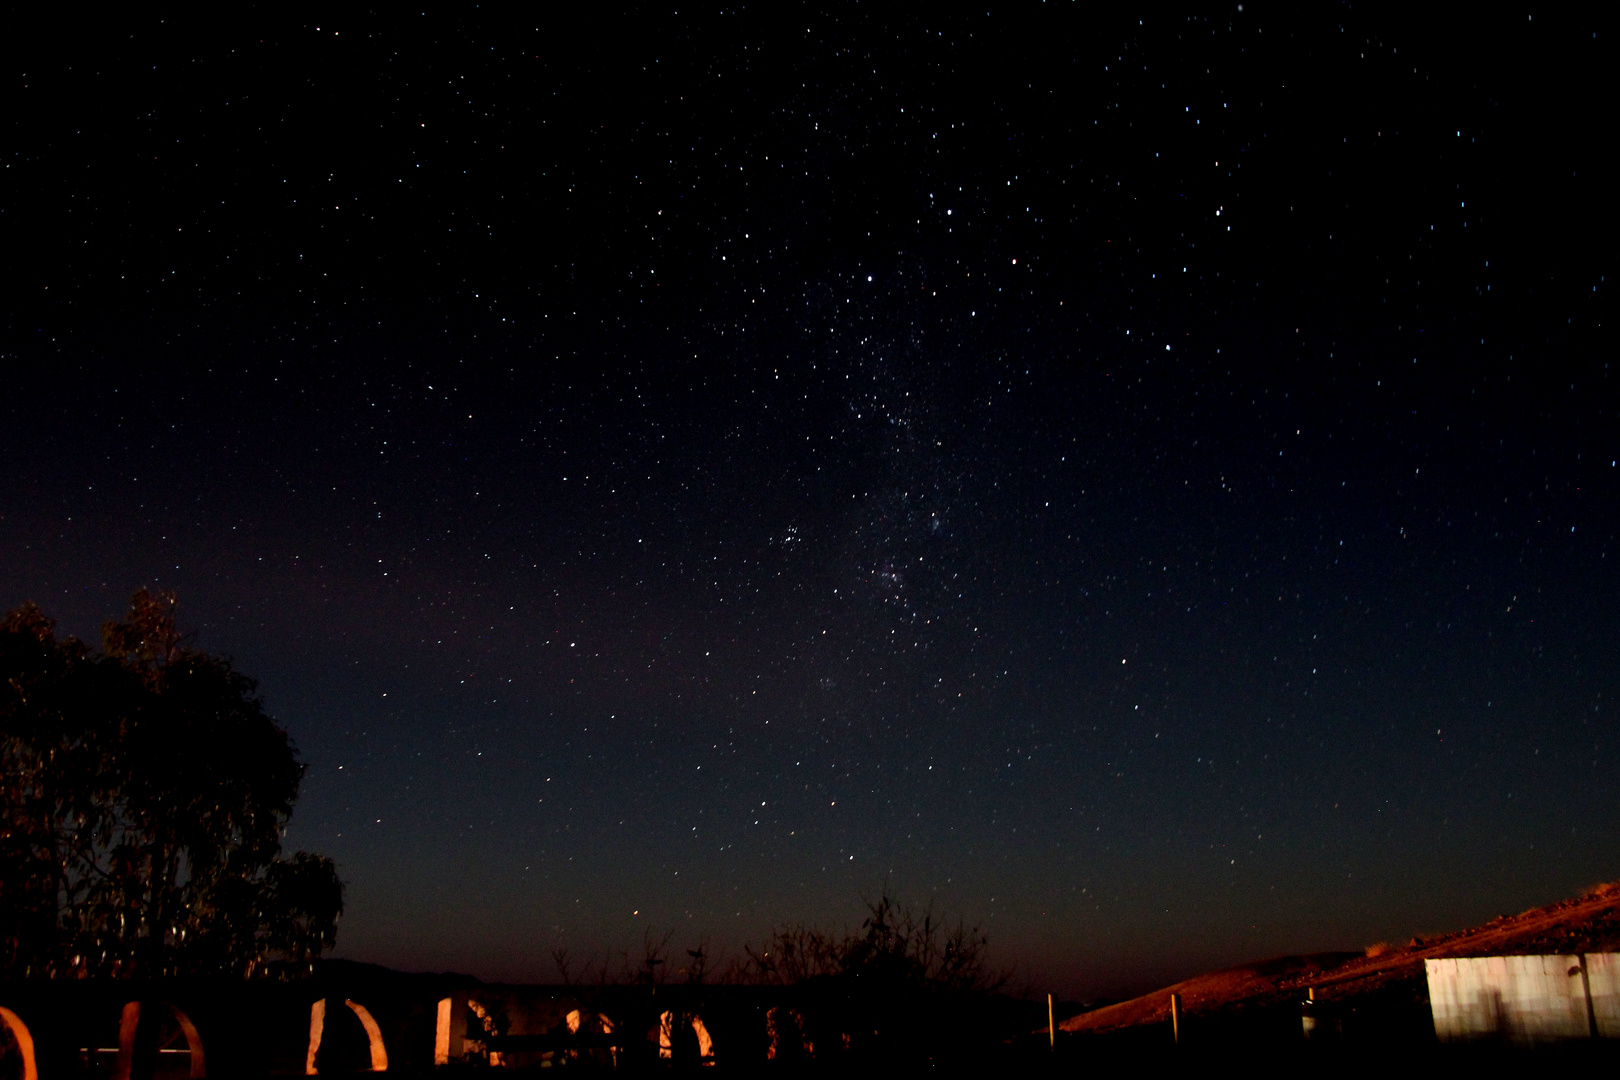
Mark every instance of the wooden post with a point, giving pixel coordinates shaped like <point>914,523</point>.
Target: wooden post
<point>1051,1028</point>
<point>1175,1018</point>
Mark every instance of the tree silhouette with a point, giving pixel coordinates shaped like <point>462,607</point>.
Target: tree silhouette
<point>143,798</point>
<point>907,986</point>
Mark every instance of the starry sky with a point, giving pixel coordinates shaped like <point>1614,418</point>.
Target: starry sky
<point>1144,483</point>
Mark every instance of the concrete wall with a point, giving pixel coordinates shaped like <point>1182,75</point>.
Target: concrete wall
<point>1525,1000</point>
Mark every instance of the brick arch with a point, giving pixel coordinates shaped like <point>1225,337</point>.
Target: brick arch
<point>25,1042</point>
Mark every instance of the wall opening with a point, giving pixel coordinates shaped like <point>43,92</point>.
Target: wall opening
<point>165,1032</point>
<point>342,1041</point>
<point>16,1045</point>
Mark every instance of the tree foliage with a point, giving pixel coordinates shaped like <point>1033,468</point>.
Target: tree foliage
<point>142,802</point>
<point>905,985</point>
<point>897,946</point>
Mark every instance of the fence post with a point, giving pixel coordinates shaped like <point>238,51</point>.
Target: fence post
<point>1175,1019</point>
<point>1051,1028</point>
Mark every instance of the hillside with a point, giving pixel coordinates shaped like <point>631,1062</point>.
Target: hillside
<point>1391,975</point>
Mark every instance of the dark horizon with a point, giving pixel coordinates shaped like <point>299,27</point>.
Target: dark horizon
<point>1142,484</point>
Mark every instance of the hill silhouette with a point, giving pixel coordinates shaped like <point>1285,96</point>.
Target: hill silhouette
<point>1386,980</point>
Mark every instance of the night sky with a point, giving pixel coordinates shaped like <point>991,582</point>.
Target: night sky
<point>1146,486</point>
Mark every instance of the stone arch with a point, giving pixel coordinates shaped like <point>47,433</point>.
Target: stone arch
<point>589,1022</point>
<point>317,1030</point>
<point>486,1026</point>
<point>784,1030</point>
<point>129,1022</point>
<point>705,1043</point>
<point>379,1052</point>
<point>462,1031</point>
<point>25,1042</point>
<point>666,1037</point>
<point>441,1033</point>
<point>199,1068</point>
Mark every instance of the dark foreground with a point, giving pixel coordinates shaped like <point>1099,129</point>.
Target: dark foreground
<point>349,1019</point>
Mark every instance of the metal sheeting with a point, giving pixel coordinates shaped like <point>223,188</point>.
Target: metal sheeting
<point>1603,972</point>
<point>1524,1000</point>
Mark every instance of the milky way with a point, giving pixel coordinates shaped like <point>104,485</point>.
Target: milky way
<point>1145,484</point>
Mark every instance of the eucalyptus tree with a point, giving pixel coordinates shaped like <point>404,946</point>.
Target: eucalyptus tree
<point>144,796</point>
